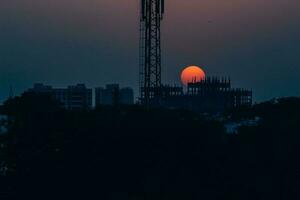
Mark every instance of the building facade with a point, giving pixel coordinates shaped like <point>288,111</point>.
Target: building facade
<point>126,96</point>
<point>76,97</point>
<point>112,94</point>
<point>217,94</point>
<point>211,95</point>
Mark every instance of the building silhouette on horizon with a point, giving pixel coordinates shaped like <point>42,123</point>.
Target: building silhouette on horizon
<point>77,97</point>
<point>210,95</point>
<point>113,95</point>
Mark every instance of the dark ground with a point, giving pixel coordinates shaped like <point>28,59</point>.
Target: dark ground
<point>135,153</point>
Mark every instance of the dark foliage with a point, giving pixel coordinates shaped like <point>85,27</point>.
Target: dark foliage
<point>138,153</point>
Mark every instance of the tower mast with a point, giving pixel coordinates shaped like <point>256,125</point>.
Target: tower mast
<point>150,49</point>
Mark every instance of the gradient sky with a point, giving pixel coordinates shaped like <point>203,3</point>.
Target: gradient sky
<point>63,42</point>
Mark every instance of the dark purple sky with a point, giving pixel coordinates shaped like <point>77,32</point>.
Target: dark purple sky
<point>62,42</point>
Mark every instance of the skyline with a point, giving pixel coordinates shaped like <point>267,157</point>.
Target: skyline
<point>58,43</point>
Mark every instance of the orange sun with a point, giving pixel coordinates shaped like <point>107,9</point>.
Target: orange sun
<point>192,74</point>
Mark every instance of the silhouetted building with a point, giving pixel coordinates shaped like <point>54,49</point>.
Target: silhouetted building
<point>211,95</point>
<point>76,97</point>
<point>126,96</point>
<point>108,95</point>
<point>215,94</point>
<point>112,94</point>
<point>166,96</point>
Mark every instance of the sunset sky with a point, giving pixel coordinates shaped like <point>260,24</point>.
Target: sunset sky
<point>63,42</point>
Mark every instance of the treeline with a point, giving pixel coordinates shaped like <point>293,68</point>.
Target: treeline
<point>139,153</point>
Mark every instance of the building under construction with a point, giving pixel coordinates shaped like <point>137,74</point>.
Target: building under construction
<point>208,95</point>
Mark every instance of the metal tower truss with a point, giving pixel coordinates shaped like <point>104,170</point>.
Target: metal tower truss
<point>150,48</point>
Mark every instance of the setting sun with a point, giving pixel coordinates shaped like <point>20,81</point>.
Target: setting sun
<point>192,73</point>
